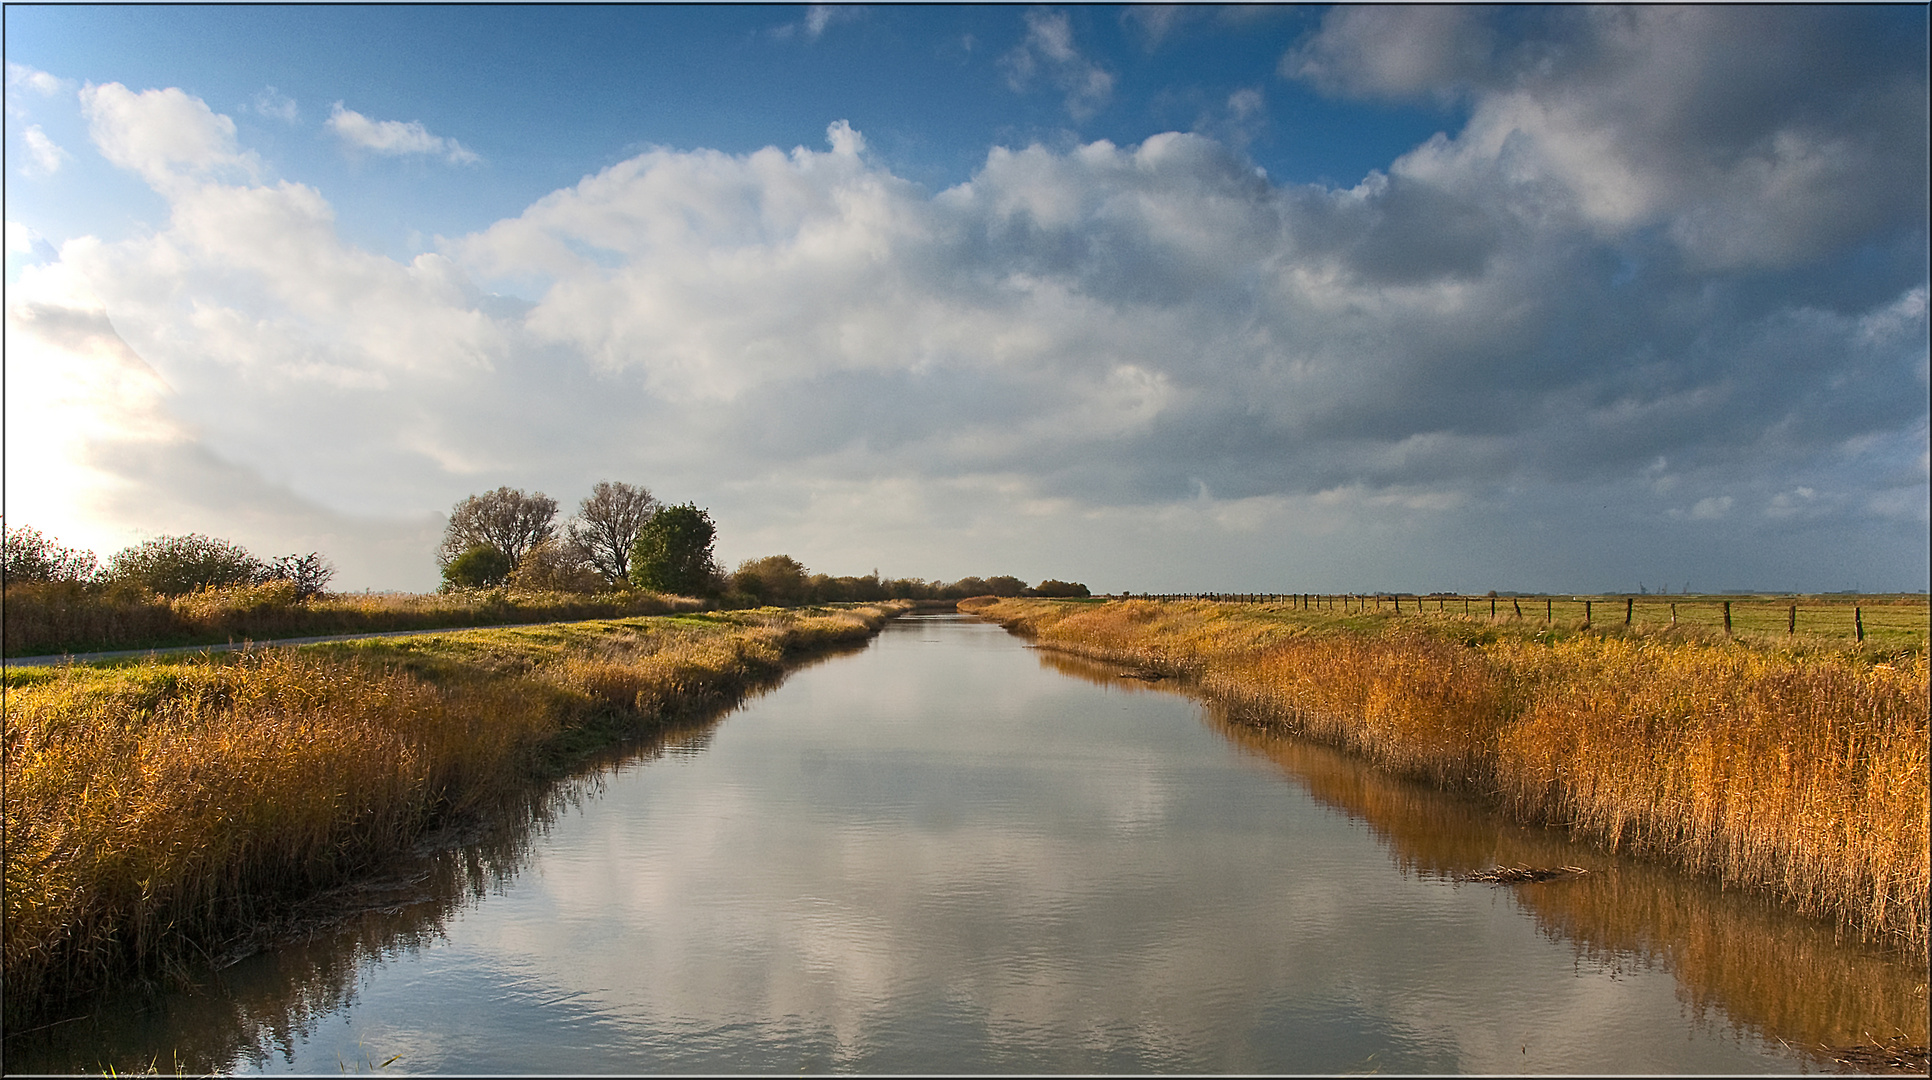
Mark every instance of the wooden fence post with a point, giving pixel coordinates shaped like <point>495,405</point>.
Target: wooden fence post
<point>1492,609</point>
<point>1673,613</point>
<point>1628,605</point>
<point>1791,621</point>
<point>1518,607</point>
<point>1727,618</point>
<point>1586,614</point>
<point>1858,623</point>
<point>1549,611</point>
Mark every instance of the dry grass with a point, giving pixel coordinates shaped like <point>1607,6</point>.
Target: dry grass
<point>1732,952</point>
<point>66,617</point>
<point>1800,771</point>
<point>153,809</point>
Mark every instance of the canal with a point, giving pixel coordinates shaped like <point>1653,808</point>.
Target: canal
<point>951,852</point>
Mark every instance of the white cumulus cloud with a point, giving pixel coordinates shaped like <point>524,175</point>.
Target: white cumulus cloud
<point>1148,354</point>
<point>47,155</point>
<point>395,138</point>
<point>22,77</point>
<point>165,135</point>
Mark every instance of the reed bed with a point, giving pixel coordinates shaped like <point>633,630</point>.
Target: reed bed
<point>157,809</point>
<point>1736,953</point>
<point>1801,772</point>
<point>45,618</point>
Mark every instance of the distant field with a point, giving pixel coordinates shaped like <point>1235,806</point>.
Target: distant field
<point>1891,620</point>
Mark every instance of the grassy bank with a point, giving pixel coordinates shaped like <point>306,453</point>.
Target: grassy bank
<point>44,618</point>
<point>1799,770</point>
<point>155,810</point>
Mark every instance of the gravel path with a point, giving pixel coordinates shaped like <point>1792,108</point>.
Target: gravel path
<point>123,654</point>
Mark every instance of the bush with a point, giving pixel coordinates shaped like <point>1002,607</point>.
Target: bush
<point>480,566</point>
<point>776,580</point>
<point>1060,589</point>
<point>178,565</point>
<point>558,565</point>
<point>26,555</point>
<point>309,573</point>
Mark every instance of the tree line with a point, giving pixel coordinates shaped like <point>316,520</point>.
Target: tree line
<point>622,537</point>
<point>168,565</point>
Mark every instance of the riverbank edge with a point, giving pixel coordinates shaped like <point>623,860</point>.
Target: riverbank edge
<point>764,646</point>
<point>1205,675</point>
<point>66,618</point>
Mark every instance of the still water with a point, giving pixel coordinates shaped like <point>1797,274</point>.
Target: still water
<point>951,852</point>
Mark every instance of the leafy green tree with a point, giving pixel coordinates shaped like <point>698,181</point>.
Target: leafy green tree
<point>26,555</point>
<point>1062,589</point>
<point>479,566</point>
<point>672,553</point>
<point>176,565</point>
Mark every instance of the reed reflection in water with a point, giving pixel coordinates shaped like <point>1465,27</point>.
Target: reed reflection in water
<point>939,856</point>
<point>256,1010</point>
<point>1736,956</point>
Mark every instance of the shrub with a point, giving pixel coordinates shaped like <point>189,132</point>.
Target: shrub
<point>178,565</point>
<point>309,573</point>
<point>1052,587</point>
<point>777,580</point>
<point>480,566</point>
<point>26,555</point>
<point>558,565</point>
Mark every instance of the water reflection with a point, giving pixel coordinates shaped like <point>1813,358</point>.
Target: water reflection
<point>939,855</point>
<point>232,1013</point>
<point>1742,956</point>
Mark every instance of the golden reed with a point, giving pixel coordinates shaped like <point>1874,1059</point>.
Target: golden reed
<point>1801,772</point>
<point>155,810</point>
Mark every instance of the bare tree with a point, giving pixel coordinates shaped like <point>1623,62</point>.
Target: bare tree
<point>505,519</point>
<point>607,524</point>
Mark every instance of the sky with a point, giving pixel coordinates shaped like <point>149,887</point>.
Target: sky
<point>1192,298</point>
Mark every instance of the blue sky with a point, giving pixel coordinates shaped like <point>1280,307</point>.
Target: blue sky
<point>1154,298</point>
<point>547,94</point>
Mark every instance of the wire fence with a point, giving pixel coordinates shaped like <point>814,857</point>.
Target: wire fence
<point>1892,618</point>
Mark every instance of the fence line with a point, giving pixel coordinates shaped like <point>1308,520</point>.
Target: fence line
<point>1752,615</point>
